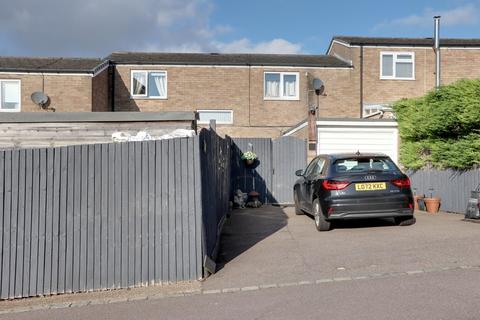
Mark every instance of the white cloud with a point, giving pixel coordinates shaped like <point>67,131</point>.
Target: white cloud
<point>279,46</point>
<point>274,46</point>
<point>468,14</point>
<point>173,11</point>
<point>96,28</point>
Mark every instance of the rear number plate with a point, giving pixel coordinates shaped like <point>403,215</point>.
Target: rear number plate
<point>370,186</point>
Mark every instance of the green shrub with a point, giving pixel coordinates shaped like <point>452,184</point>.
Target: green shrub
<point>442,128</point>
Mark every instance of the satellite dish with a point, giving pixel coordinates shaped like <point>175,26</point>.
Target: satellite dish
<point>318,86</point>
<point>40,98</point>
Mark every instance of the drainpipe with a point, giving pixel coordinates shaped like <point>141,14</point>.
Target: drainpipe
<point>361,81</point>
<point>318,88</point>
<point>312,129</point>
<point>111,68</point>
<point>436,37</point>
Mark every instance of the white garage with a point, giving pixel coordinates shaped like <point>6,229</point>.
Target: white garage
<point>340,136</point>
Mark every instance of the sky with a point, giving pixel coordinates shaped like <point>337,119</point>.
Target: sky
<point>95,28</point>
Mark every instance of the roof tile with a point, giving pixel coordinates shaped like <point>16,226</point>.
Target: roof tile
<point>447,42</point>
<point>38,64</point>
<point>293,60</point>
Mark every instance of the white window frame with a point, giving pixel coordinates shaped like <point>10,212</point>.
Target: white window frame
<point>19,94</point>
<point>146,96</point>
<point>216,110</point>
<point>395,59</point>
<point>282,96</point>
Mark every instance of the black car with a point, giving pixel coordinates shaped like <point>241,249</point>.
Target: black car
<point>351,186</point>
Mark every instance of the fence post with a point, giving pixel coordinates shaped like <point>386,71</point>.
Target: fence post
<point>213,124</point>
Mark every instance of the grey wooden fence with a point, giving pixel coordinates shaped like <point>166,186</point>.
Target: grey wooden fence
<point>273,174</point>
<point>452,186</point>
<point>215,168</point>
<point>91,217</point>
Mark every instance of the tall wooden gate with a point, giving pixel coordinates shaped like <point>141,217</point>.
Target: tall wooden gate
<point>273,174</point>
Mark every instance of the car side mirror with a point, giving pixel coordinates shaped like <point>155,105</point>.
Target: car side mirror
<point>299,173</point>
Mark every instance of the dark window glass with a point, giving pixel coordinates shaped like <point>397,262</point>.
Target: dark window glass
<point>365,164</point>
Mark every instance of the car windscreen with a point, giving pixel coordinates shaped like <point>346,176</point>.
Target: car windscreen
<point>364,164</point>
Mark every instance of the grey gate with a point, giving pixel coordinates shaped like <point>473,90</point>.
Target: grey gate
<point>289,155</point>
<point>257,178</point>
<point>273,175</point>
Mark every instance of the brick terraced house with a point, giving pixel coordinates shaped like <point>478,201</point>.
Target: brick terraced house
<point>72,84</point>
<point>250,95</point>
<point>389,69</point>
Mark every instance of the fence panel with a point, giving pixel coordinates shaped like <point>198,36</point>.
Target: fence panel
<point>289,155</point>
<point>92,217</point>
<point>452,186</point>
<point>215,170</point>
<point>108,216</point>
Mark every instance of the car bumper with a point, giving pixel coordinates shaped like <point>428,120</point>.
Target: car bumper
<point>406,212</point>
<point>375,206</point>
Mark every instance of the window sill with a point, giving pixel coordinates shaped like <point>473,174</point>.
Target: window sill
<point>218,123</point>
<point>281,99</point>
<point>404,79</point>
<point>10,110</point>
<point>148,98</point>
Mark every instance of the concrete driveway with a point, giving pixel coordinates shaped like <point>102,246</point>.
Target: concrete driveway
<point>272,245</point>
<point>275,265</point>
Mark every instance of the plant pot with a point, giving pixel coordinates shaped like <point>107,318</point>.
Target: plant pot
<point>416,201</point>
<point>249,162</point>
<point>432,204</point>
<point>421,204</point>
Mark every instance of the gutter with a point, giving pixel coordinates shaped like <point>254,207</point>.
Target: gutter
<point>48,71</point>
<point>69,117</point>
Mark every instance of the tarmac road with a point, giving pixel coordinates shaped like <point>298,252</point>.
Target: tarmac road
<point>437,295</point>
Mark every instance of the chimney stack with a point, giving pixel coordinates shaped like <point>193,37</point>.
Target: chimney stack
<point>436,47</point>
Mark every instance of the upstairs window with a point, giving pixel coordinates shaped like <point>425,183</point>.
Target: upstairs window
<point>149,84</point>
<point>10,95</point>
<point>397,65</point>
<point>281,86</point>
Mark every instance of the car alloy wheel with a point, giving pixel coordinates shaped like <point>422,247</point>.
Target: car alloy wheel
<point>317,214</point>
<point>298,211</point>
<point>320,223</point>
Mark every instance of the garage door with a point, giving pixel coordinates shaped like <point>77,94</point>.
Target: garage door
<point>361,135</point>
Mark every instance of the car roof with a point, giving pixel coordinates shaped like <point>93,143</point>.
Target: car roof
<point>337,156</point>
